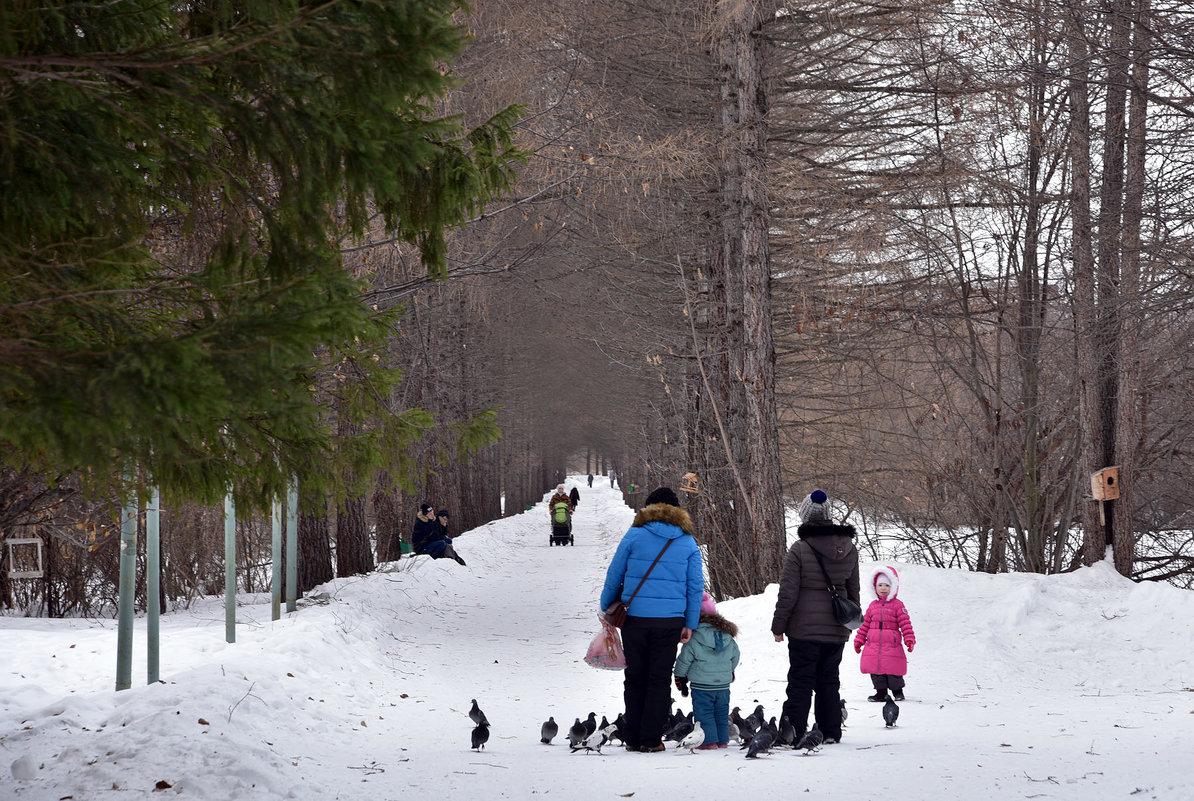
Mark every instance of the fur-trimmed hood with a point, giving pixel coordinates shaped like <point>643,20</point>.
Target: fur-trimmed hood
<point>893,578</point>
<point>720,623</point>
<point>664,513</point>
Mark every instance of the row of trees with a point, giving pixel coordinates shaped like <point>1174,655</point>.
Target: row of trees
<point>931,256</point>
<point>965,226</point>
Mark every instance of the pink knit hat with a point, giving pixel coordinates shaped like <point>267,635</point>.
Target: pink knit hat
<point>708,607</point>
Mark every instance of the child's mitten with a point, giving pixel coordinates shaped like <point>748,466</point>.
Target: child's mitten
<point>682,685</point>
<point>909,646</point>
<point>858,646</point>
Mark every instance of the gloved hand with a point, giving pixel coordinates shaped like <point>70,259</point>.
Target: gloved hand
<point>857,647</point>
<point>682,685</point>
<point>910,646</point>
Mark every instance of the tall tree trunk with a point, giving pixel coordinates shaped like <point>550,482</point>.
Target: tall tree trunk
<point>1030,307</point>
<point>760,532</point>
<point>1086,346</point>
<point>1111,202</point>
<point>1127,417</point>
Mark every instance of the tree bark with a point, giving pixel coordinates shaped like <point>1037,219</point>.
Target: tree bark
<point>314,545</point>
<point>748,126</point>
<point>1086,346</point>
<point>1127,416</point>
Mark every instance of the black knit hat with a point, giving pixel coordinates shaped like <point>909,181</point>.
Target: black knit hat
<point>663,495</point>
<point>426,509</point>
<point>442,513</point>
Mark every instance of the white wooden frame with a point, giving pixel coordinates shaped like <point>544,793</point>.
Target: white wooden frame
<point>12,543</point>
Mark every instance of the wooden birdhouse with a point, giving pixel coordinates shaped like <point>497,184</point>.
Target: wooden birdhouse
<point>1104,484</point>
<point>690,483</point>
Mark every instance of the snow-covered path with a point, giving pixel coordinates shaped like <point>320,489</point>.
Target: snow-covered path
<point>1059,687</point>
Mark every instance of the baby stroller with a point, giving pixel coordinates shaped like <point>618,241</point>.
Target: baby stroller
<point>561,525</point>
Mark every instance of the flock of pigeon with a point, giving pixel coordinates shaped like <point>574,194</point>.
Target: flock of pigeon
<point>754,733</point>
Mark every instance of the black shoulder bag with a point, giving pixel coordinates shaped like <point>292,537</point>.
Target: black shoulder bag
<point>848,613</point>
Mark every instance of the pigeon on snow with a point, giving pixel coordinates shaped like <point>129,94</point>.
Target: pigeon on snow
<point>759,744</point>
<point>477,716</point>
<point>480,735</point>
<point>577,734</point>
<point>594,742</point>
<point>679,731</point>
<point>787,732</point>
<point>811,740</point>
<point>616,734</point>
<point>844,712</point>
<point>745,730</point>
<point>737,719</point>
<point>590,723</point>
<point>890,712</point>
<point>756,718</point>
<point>549,731</point>
<point>693,739</point>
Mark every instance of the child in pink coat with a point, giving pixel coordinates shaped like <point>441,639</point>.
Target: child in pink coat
<point>885,630</point>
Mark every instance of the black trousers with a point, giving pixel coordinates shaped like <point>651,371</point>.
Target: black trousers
<point>813,682</point>
<point>886,681</point>
<point>650,646</point>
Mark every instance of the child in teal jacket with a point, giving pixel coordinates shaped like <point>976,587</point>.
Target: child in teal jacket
<point>707,663</point>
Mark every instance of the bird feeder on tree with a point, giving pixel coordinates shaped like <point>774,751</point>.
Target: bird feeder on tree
<point>25,557</point>
<point>690,483</point>
<point>1104,486</point>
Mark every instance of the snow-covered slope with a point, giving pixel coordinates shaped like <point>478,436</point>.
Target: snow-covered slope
<point>1077,686</point>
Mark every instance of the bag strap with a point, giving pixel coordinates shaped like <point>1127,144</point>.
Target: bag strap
<point>649,569</point>
<point>832,587</point>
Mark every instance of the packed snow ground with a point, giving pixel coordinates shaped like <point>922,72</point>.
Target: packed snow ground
<point>1076,686</point>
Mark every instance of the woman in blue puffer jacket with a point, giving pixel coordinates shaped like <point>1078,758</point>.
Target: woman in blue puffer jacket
<point>664,611</point>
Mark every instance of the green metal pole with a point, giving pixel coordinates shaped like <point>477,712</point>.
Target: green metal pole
<point>292,546</point>
<point>276,585</point>
<point>126,594</point>
<point>153,574</point>
<point>229,569</point>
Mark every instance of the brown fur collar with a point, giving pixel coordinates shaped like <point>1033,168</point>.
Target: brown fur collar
<point>720,623</point>
<point>664,513</point>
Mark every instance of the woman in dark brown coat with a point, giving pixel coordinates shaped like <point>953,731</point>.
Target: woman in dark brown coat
<point>804,614</point>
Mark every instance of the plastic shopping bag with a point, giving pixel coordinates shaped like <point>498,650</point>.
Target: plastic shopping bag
<point>605,651</point>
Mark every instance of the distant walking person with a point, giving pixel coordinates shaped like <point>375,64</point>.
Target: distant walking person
<point>430,534</point>
<point>559,496</point>
<point>886,630</point>
<point>574,497</point>
<point>657,572</point>
<point>590,480</point>
<point>804,614</point>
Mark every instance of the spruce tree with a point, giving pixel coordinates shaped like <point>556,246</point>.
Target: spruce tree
<point>175,180</point>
